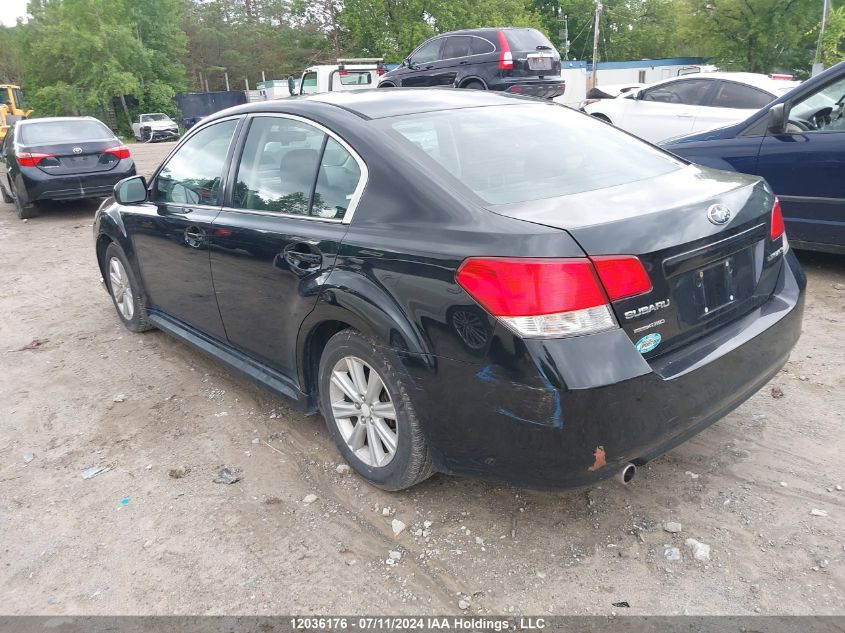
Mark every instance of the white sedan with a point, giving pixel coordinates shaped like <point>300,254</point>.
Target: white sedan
<point>689,103</point>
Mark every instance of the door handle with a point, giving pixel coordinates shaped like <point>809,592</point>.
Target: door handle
<point>302,257</point>
<point>194,236</point>
<point>684,115</point>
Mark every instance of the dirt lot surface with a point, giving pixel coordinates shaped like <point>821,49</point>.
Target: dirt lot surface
<point>154,534</point>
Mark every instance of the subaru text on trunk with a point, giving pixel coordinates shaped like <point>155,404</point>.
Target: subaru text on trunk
<point>452,292</point>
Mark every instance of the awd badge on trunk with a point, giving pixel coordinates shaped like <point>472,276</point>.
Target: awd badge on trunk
<point>648,342</point>
<point>718,214</point>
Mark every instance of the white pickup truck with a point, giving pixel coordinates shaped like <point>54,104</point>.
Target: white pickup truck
<point>156,126</point>
<point>346,74</point>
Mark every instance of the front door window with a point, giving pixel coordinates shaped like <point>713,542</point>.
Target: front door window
<point>192,175</point>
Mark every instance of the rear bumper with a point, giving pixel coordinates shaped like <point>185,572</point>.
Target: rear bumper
<point>571,412</point>
<point>42,186</point>
<point>543,88</point>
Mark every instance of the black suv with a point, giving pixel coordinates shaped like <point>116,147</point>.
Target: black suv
<point>509,59</point>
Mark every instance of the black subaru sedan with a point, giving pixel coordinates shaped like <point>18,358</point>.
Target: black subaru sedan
<point>60,158</point>
<point>458,281</point>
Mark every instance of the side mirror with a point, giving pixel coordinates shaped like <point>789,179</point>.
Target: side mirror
<point>291,85</point>
<point>132,190</point>
<point>777,119</point>
<point>638,94</point>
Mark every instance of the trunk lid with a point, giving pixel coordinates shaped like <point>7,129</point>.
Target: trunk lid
<point>533,54</point>
<point>703,274</point>
<point>82,157</point>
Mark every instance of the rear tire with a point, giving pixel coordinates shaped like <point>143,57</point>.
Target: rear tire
<point>386,84</point>
<point>474,85</point>
<point>24,210</point>
<point>363,381</point>
<point>124,290</point>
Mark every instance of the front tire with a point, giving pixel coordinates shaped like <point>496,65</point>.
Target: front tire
<point>125,290</point>
<point>366,403</point>
<point>474,85</point>
<point>7,197</point>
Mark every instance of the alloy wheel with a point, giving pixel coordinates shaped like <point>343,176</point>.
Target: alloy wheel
<point>121,289</point>
<point>364,411</point>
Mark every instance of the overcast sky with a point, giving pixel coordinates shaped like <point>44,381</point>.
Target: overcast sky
<point>11,10</point>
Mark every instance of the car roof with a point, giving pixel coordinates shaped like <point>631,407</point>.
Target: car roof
<point>379,103</point>
<point>757,80</point>
<point>48,119</point>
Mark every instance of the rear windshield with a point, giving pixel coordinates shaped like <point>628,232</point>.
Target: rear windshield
<point>517,153</point>
<point>528,40</point>
<point>49,132</point>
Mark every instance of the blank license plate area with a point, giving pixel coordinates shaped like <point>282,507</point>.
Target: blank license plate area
<point>539,62</point>
<point>714,287</point>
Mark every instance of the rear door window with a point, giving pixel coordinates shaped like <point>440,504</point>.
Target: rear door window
<point>193,174</point>
<point>336,182</point>
<point>481,46</point>
<point>294,168</point>
<point>69,131</point>
<point>456,46</point>
<point>734,95</point>
<point>278,166</point>
<point>685,92</point>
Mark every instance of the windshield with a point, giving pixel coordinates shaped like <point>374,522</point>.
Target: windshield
<point>70,131</point>
<point>517,153</point>
<point>154,117</point>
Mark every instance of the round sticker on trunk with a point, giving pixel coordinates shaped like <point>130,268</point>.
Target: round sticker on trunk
<point>648,343</point>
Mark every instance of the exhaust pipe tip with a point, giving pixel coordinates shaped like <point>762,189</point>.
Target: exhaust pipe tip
<point>626,475</point>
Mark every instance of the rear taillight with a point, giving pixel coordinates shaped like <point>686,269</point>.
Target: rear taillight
<point>622,276</point>
<point>380,71</point>
<point>343,73</point>
<point>505,56</point>
<point>539,297</point>
<point>776,228</point>
<point>31,159</point>
<point>121,151</point>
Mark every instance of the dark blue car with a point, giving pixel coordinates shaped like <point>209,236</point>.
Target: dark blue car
<point>797,143</point>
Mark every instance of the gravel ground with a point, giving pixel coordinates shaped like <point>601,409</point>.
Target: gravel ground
<point>154,535</point>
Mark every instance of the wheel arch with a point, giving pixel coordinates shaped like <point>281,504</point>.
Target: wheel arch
<point>350,301</point>
<point>111,230</point>
<point>470,78</point>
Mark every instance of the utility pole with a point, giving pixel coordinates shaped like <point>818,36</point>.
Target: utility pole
<point>226,77</point>
<point>818,66</point>
<point>566,36</point>
<point>594,77</point>
<point>563,35</point>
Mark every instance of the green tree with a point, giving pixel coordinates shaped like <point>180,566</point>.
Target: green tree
<point>833,41</point>
<point>753,35</point>
<point>394,28</point>
<point>81,54</point>
<point>11,59</point>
